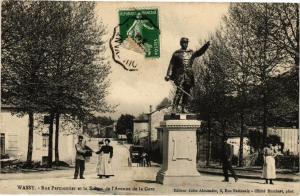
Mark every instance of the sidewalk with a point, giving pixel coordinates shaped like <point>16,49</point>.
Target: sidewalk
<point>252,173</point>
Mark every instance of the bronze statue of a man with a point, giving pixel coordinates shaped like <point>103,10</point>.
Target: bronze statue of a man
<point>181,73</point>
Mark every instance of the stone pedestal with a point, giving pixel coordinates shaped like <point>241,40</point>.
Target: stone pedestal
<point>179,149</point>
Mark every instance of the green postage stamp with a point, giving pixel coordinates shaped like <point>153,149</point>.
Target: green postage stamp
<point>139,31</point>
<point>136,37</point>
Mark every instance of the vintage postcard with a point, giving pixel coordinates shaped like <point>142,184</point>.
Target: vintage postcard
<point>138,98</point>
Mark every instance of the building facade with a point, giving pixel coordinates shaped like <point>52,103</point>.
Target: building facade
<point>155,118</point>
<point>14,138</point>
<point>141,132</point>
<point>288,136</point>
<point>145,129</point>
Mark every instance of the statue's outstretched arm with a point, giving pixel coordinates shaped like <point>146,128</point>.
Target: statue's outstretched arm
<point>199,52</point>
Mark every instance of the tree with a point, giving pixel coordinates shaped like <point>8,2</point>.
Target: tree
<point>164,104</point>
<point>246,77</point>
<point>266,57</point>
<point>286,36</point>
<point>23,58</point>
<point>240,72</point>
<point>101,120</point>
<point>285,21</point>
<point>255,139</point>
<point>213,91</point>
<point>56,152</point>
<point>124,124</point>
<point>78,82</point>
<point>255,34</point>
<point>67,71</point>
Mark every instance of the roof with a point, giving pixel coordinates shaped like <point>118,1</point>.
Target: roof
<point>6,107</point>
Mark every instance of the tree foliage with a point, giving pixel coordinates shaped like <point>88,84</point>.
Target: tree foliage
<point>248,76</point>
<point>164,104</point>
<point>52,60</point>
<point>124,124</point>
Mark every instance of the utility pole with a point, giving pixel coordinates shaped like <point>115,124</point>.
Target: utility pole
<point>150,127</point>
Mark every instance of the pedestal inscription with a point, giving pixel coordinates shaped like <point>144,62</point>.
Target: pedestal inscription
<point>179,150</point>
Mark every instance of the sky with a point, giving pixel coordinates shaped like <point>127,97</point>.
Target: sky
<point>134,92</point>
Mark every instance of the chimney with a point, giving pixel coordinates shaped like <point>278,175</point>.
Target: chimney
<point>150,108</point>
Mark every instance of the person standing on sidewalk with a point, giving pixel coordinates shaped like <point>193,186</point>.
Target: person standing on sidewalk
<point>269,168</point>
<point>99,159</point>
<point>105,167</point>
<point>144,159</point>
<point>226,161</point>
<point>80,159</point>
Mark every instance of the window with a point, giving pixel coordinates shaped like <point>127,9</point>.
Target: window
<point>44,160</point>
<point>45,140</point>
<point>2,143</point>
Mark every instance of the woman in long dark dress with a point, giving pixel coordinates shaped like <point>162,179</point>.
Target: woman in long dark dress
<point>104,166</point>
<point>100,143</point>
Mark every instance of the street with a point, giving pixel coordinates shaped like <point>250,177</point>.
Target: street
<point>128,180</point>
